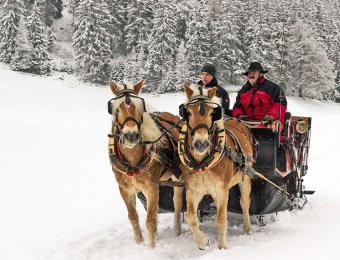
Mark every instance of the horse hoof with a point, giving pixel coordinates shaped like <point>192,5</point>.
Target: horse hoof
<point>139,240</point>
<point>222,246</point>
<point>206,246</point>
<point>247,233</point>
<point>178,232</point>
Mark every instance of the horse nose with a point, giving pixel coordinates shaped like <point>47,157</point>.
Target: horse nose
<point>201,146</point>
<point>132,137</point>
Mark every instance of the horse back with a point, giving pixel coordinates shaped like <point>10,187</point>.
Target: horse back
<point>242,133</point>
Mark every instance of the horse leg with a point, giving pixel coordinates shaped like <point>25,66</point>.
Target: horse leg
<point>130,202</point>
<point>245,188</point>
<point>152,197</point>
<point>178,201</point>
<point>221,200</point>
<point>191,217</point>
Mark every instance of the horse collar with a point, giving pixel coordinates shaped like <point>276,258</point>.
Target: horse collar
<point>216,154</point>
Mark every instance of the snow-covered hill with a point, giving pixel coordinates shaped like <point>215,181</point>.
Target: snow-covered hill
<point>59,198</point>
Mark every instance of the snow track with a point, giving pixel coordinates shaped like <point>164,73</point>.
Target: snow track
<point>59,199</point>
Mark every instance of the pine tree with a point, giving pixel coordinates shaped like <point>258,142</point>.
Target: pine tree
<point>118,13</point>
<point>10,14</point>
<point>197,41</point>
<point>92,40</point>
<point>37,35</point>
<point>230,51</point>
<point>139,24</point>
<point>181,68</point>
<point>310,69</point>
<point>162,46</point>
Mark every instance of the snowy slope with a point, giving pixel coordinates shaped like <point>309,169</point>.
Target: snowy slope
<point>59,199</point>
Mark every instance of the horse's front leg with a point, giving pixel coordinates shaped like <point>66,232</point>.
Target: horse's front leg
<point>130,202</point>
<point>245,188</point>
<point>178,201</point>
<point>193,198</point>
<point>152,197</point>
<point>221,199</point>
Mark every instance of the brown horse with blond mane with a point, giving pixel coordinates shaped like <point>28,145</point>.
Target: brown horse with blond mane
<point>208,149</point>
<point>134,144</point>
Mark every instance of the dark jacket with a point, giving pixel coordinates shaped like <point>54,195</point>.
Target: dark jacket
<point>266,98</point>
<point>221,93</point>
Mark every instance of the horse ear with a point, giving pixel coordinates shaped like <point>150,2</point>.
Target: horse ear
<point>114,87</point>
<point>188,91</point>
<point>137,87</point>
<point>212,92</point>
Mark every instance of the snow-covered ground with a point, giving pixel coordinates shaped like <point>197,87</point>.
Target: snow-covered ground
<point>59,198</point>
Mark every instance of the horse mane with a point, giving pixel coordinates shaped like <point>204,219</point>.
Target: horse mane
<point>196,92</point>
<point>150,132</point>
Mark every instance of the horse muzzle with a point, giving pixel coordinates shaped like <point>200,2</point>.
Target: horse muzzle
<point>130,139</point>
<point>201,146</point>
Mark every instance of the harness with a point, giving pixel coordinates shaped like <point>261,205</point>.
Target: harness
<point>150,156</point>
<point>215,155</point>
<point>123,165</point>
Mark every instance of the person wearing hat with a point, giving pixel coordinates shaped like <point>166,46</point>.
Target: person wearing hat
<point>208,80</point>
<point>260,98</point>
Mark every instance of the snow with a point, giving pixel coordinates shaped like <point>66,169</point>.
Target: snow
<point>59,198</point>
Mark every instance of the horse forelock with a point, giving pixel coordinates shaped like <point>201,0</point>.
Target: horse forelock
<point>199,91</point>
<point>138,103</point>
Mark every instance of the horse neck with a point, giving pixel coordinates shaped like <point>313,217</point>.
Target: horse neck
<point>132,155</point>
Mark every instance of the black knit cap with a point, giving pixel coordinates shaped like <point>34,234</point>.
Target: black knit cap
<point>255,66</point>
<point>209,68</point>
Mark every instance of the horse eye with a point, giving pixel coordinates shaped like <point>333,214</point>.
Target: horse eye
<point>189,114</point>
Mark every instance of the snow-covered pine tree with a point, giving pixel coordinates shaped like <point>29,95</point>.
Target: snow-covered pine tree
<point>131,70</point>
<point>118,12</point>
<point>162,47</point>
<point>56,8</point>
<point>139,24</point>
<point>230,54</point>
<point>22,56</point>
<point>181,68</point>
<point>197,40</point>
<point>92,40</point>
<point>10,14</point>
<point>37,36</point>
<point>310,70</point>
<point>118,70</point>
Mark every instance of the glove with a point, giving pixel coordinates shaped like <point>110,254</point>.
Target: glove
<point>242,117</point>
<point>268,118</point>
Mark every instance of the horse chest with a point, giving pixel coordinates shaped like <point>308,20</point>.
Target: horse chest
<point>131,183</point>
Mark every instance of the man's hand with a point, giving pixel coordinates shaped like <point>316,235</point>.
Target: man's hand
<point>268,118</point>
<point>242,117</point>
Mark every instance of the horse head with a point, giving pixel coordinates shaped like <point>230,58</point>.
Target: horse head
<point>200,112</point>
<point>127,109</point>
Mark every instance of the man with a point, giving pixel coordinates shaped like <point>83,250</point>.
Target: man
<point>260,98</point>
<point>208,80</point>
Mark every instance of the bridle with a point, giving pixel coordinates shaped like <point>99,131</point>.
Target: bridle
<point>201,99</point>
<point>116,157</point>
<point>216,130</point>
<point>127,94</point>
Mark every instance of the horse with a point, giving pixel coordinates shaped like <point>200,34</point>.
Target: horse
<point>209,150</point>
<point>135,145</point>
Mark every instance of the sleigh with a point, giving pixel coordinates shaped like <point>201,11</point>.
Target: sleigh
<point>281,156</point>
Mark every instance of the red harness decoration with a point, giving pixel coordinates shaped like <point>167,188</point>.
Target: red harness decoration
<point>136,172</point>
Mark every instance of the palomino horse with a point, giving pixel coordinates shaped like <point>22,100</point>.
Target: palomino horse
<point>136,165</point>
<point>206,150</point>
